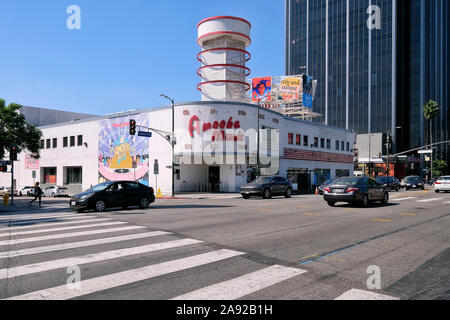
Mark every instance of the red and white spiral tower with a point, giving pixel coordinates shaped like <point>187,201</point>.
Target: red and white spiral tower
<point>223,40</point>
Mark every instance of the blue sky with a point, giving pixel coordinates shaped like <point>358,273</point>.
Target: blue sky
<point>126,53</point>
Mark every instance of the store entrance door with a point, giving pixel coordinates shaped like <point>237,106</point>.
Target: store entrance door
<point>214,179</point>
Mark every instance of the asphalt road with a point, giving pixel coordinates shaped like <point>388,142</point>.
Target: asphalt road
<point>290,249</point>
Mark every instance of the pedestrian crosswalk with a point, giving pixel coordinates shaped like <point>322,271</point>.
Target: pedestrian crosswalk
<point>420,200</point>
<point>113,254</point>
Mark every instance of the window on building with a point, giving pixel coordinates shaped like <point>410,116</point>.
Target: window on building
<point>316,142</point>
<point>65,142</point>
<point>290,138</point>
<point>72,141</point>
<point>328,143</point>
<point>337,144</point>
<point>298,139</point>
<point>79,140</point>
<point>348,146</point>
<point>48,144</point>
<point>305,141</point>
<point>322,143</point>
<point>342,145</point>
<point>42,144</point>
<point>73,175</point>
<point>48,175</point>
<point>55,143</point>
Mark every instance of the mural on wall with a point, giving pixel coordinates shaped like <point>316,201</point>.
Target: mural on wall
<point>122,156</point>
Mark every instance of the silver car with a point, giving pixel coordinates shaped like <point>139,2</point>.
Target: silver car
<point>442,184</point>
<point>56,191</point>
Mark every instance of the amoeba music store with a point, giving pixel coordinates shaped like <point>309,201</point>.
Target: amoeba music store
<point>82,153</point>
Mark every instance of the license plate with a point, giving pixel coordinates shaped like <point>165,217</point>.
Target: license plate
<point>73,203</point>
<point>338,190</point>
<point>414,186</point>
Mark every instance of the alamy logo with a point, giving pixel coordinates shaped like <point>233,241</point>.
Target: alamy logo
<point>74,280</point>
<point>374,20</point>
<point>374,281</point>
<point>74,20</point>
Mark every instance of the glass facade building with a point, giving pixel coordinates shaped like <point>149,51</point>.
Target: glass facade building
<point>377,63</point>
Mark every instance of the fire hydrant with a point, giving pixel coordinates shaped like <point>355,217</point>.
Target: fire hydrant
<point>6,198</point>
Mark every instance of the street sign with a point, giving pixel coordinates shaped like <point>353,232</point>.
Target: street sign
<point>144,134</point>
<point>5,163</point>
<point>34,174</point>
<point>156,167</point>
<point>425,151</point>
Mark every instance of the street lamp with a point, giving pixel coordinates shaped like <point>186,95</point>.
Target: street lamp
<point>172,142</point>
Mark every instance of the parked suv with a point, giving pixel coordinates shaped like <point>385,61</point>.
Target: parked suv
<point>56,191</point>
<point>266,187</point>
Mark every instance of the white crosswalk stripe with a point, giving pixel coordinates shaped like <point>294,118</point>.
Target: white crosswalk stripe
<point>8,273</point>
<point>403,199</point>
<point>356,294</point>
<point>68,235</point>
<point>54,223</point>
<point>111,223</point>
<point>127,277</point>
<point>80,244</point>
<point>429,200</point>
<point>39,216</point>
<point>244,285</point>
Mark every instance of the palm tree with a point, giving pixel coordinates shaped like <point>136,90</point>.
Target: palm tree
<point>430,111</point>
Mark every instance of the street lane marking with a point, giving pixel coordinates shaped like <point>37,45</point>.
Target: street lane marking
<point>381,220</point>
<point>430,200</point>
<point>264,210</point>
<point>80,244</point>
<point>68,235</point>
<point>130,276</point>
<point>9,273</point>
<point>90,225</point>
<point>447,202</point>
<point>356,294</point>
<point>37,222</point>
<point>403,199</point>
<point>312,214</point>
<point>315,255</point>
<point>242,286</point>
<point>89,219</point>
<point>303,207</point>
<point>408,214</point>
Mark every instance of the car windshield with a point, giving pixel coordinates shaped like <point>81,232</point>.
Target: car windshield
<point>261,180</point>
<point>347,181</point>
<point>100,187</point>
<point>444,179</point>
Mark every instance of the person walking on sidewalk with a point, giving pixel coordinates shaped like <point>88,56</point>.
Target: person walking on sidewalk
<point>37,194</point>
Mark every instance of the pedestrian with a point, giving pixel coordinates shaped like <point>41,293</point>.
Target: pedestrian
<point>37,194</point>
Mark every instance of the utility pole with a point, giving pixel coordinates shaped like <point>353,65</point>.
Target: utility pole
<point>388,148</point>
<point>172,142</point>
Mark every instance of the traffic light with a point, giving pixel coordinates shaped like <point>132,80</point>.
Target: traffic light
<point>13,153</point>
<point>132,127</point>
<point>3,169</point>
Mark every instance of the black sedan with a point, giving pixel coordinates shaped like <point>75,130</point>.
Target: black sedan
<point>113,194</point>
<point>266,187</point>
<point>391,183</point>
<point>355,190</point>
<point>413,182</point>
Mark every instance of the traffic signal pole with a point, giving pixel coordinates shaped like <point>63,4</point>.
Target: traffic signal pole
<point>12,183</point>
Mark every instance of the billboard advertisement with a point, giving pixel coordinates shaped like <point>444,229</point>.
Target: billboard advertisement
<point>261,88</point>
<point>290,88</point>
<point>309,91</point>
<point>31,163</point>
<point>122,156</point>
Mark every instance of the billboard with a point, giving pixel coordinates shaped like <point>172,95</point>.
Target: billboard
<point>290,88</point>
<point>31,163</point>
<point>261,88</point>
<point>309,91</point>
<point>121,156</point>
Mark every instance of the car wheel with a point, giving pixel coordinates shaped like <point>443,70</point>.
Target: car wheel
<point>53,194</point>
<point>385,200</point>
<point>267,194</point>
<point>144,203</point>
<point>20,193</point>
<point>100,206</point>
<point>437,191</point>
<point>365,201</point>
<point>246,196</point>
<point>407,188</point>
<point>331,203</point>
<point>288,193</point>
